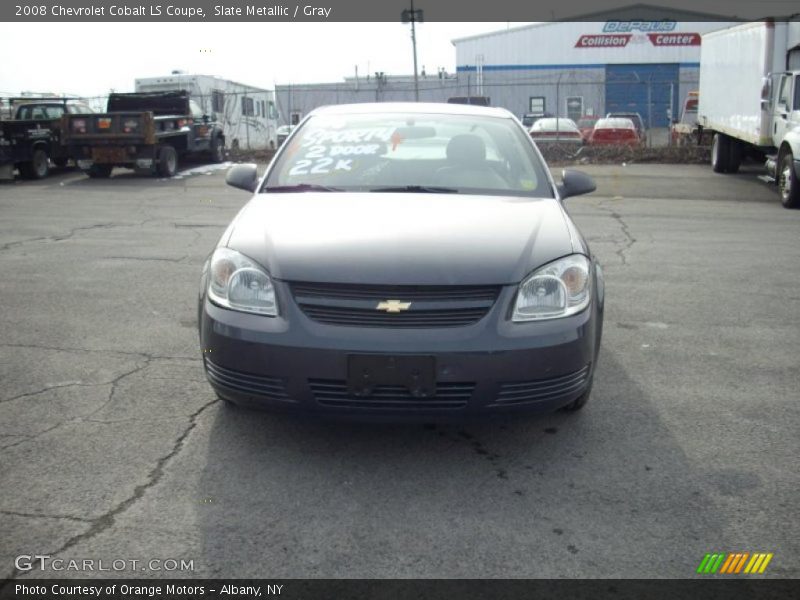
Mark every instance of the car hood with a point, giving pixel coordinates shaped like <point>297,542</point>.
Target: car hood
<point>400,238</point>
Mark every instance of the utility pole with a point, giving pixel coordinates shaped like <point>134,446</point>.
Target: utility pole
<point>413,16</point>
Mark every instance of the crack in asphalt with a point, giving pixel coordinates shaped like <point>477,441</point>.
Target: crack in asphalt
<point>139,258</point>
<point>107,520</point>
<point>72,232</point>
<point>13,513</point>
<point>58,238</point>
<point>629,239</point>
<point>114,383</point>
<point>105,352</point>
<point>52,387</point>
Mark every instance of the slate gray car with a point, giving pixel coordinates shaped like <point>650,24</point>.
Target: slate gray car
<point>403,261</point>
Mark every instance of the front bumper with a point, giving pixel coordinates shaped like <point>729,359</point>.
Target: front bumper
<point>494,366</point>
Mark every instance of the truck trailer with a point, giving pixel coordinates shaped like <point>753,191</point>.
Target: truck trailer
<point>750,100</point>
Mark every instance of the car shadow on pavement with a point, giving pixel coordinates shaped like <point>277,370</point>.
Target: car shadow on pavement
<point>594,494</point>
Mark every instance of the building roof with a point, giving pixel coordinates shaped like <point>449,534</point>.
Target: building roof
<point>634,12</point>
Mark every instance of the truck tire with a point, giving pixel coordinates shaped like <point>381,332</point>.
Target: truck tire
<point>735,151</point>
<point>167,161</point>
<point>38,167</point>
<point>788,184</point>
<point>218,149</point>
<point>100,171</point>
<point>720,153</point>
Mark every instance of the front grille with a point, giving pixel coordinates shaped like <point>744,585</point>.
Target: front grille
<point>430,306</point>
<point>542,389</point>
<point>333,393</point>
<point>271,388</point>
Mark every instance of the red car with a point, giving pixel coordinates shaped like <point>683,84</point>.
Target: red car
<point>614,132</point>
<point>586,124</point>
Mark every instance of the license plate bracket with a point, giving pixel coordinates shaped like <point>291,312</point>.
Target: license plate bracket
<point>367,371</point>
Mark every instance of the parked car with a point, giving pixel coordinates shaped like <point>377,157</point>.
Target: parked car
<point>641,130</point>
<point>615,131</point>
<point>358,280</point>
<point>528,119</point>
<point>586,124</point>
<point>560,130</point>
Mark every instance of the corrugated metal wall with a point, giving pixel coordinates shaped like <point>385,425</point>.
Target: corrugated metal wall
<point>649,90</point>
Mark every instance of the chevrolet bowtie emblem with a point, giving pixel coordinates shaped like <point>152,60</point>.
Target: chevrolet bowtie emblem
<point>393,306</point>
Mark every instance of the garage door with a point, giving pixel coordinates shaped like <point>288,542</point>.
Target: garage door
<point>645,89</point>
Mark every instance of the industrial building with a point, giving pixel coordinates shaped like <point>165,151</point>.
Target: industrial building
<point>642,59</point>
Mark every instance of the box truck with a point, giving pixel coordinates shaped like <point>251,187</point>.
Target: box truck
<point>750,100</point>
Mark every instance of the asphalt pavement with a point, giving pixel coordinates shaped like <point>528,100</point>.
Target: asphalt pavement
<point>114,447</point>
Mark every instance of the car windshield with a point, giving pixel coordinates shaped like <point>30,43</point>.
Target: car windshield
<point>417,152</point>
<point>635,119</point>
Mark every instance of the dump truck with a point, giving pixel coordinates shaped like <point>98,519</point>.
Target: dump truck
<point>148,132</point>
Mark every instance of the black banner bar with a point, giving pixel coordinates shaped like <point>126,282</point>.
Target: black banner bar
<point>385,10</point>
<point>429,589</point>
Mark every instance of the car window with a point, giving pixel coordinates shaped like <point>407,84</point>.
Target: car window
<point>54,112</point>
<point>362,152</point>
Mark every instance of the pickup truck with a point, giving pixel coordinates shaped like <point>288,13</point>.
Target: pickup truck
<point>685,131</point>
<point>143,131</point>
<point>32,139</point>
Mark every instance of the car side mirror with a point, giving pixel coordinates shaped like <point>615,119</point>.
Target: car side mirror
<point>575,183</point>
<point>206,118</point>
<point>244,177</point>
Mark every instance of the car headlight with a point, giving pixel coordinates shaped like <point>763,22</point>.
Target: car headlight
<point>559,289</point>
<point>238,283</point>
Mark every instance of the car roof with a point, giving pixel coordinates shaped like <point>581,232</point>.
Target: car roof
<point>413,107</point>
<point>626,115</point>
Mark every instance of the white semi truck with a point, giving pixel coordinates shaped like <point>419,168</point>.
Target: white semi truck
<point>750,100</point>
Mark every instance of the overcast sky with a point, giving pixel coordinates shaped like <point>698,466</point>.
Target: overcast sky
<point>90,58</point>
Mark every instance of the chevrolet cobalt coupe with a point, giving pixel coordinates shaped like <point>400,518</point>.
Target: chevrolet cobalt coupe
<point>403,260</point>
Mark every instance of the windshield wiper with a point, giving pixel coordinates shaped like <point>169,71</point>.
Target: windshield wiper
<point>422,189</point>
<point>302,187</point>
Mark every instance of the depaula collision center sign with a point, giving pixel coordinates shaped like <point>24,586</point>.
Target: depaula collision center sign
<point>618,34</point>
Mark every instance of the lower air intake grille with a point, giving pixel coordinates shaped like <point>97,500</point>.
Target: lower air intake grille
<point>542,389</point>
<point>333,393</point>
<point>272,388</point>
